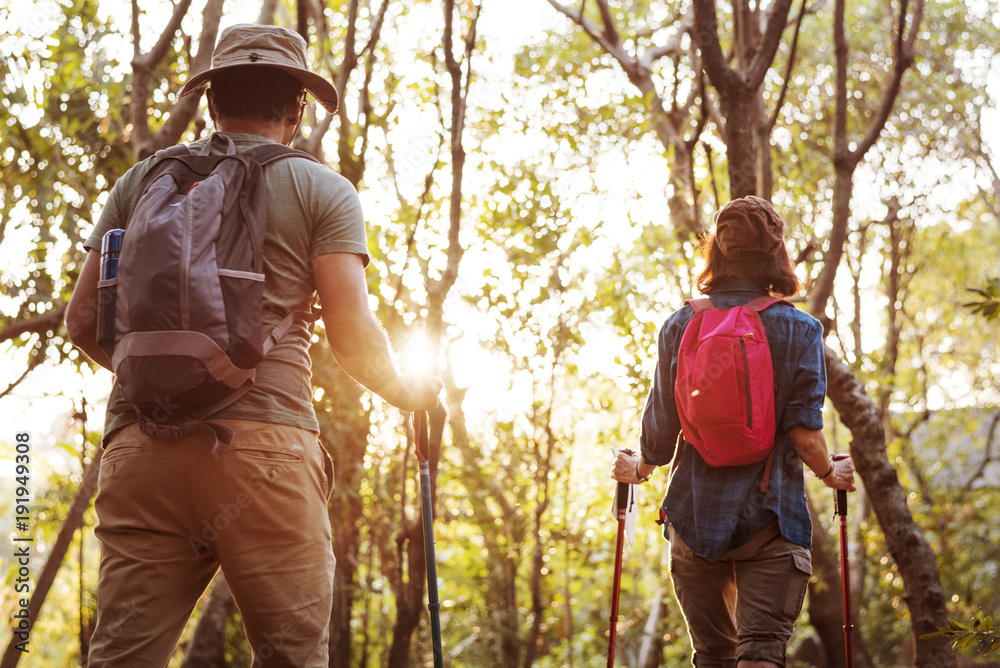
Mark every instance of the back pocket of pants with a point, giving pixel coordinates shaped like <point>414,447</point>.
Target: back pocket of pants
<point>269,453</point>
<point>117,454</point>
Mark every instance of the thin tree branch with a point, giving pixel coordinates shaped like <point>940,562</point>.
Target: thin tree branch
<point>706,35</point>
<point>136,47</point>
<point>470,44</point>
<point>376,29</point>
<point>711,174</point>
<point>39,324</point>
<point>609,22</point>
<point>459,102</point>
<point>903,60</point>
<point>162,46</point>
<point>788,70</point>
<point>696,91</point>
<point>347,66</point>
<point>673,45</point>
<point>982,157</point>
<point>596,34</point>
<point>840,150</point>
<point>764,54</point>
<point>350,39</point>
<point>267,10</point>
<point>186,107</point>
<point>991,434</point>
<point>36,360</point>
<point>143,66</point>
<point>899,45</point>
<point>411,237</point>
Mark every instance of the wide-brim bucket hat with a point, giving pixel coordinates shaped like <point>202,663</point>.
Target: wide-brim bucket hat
<point>265,46</point>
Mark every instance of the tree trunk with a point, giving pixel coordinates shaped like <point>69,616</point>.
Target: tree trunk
<point>74,520</point>
<point>344,427</point>
<point>208,647</point>
<point>146,65</point>
<point>914,557</point>
<point>507,611</point>
<point>503,537</point>
<point>410,597</point>
<point>822,289</point>
<point>409,593</point>
<point>651,646</point>
<point>740,130</point>
<point>765,171</point>
<point>739,89</point>
<point>537,601</point>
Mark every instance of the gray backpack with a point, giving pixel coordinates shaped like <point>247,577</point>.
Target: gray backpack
<point>188,296</point>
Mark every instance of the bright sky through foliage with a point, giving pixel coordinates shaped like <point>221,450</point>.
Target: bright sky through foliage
<point>506,26</point>
<point>22,24</point>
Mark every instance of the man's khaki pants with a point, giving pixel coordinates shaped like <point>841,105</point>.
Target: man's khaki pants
<point>170,513</point>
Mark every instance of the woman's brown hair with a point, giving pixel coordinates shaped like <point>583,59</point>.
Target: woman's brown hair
<point>773,274</point>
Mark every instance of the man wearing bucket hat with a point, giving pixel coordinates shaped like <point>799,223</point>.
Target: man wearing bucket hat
<point>739,553</point>
<point>172,512</point>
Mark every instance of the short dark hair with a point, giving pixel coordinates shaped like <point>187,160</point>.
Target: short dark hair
<point>254,93</point>
<point>773,274</point>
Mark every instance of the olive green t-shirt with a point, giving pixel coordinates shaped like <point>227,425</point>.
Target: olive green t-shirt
<point>311,211</point>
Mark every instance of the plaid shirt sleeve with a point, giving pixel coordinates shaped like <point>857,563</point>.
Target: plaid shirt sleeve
<point>808,382</point>
<point>660,421</point>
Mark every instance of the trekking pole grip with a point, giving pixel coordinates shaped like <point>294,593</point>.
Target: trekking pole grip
<point>622,497</point>
<point>420,434</point>
<point>841,496</point>
<point>842,502</point>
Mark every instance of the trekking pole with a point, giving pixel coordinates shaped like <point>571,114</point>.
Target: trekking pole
<point>420,439</point>
<point>621,505</point>
<point>841,509</point>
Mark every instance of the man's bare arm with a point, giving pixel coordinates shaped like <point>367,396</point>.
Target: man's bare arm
<point>357,339</point>
<point>81,314</point>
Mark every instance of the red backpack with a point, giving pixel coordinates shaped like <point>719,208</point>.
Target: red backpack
<point>725,385</point>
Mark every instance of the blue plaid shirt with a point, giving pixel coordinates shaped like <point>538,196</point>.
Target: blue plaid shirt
<point>715,510</point>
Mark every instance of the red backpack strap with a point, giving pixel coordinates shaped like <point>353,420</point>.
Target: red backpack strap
<point>762,303</point>
<point>700,305</point>
<point>765,482</point>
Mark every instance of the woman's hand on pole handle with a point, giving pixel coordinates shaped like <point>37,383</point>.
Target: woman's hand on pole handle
<point>842,475</point>
<point>628,467</point>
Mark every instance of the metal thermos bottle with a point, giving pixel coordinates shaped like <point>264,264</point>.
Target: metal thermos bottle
<point>111,249</point>
<point>107,290</point>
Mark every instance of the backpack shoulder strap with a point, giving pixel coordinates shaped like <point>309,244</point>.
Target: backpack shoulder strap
<point>700,305</point>
<point>762,303</point>
<point>269,153</point>
<point>765,482</point>
<point>178,151</point>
